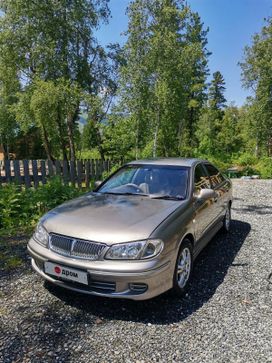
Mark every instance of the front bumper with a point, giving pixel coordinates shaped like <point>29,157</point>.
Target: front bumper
<point>136,280</point>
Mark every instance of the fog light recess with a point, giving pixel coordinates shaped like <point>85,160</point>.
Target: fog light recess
<point>138,288</point>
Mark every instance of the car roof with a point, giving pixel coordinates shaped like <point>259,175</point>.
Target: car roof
<point>189,162</point>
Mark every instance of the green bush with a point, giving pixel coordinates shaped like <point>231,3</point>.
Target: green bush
<point>246,159</point>
<point>264,168</point>
<point>20,209</point>
<point>89,154</point>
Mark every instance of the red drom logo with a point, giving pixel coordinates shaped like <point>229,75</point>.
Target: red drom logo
<point>57,270</point>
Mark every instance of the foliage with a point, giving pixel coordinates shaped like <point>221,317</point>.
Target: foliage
<point>21,209</point>
<point>257,76</point>
<point>53,53</point>
<point>149,98</point>
<point>88,154</point>
<point>246,159</point>
<point>264,168</point>
<point>164,77</point>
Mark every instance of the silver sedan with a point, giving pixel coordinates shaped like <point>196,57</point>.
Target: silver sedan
<point>138,233</point>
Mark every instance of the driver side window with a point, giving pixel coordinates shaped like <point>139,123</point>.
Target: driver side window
<point>201,180</point>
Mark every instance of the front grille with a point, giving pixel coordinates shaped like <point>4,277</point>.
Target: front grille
<point>68,246</point>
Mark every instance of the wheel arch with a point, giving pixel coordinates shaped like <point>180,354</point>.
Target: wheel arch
<point>189,236</point>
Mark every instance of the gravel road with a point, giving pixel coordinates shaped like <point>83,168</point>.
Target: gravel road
<point>225,317</point>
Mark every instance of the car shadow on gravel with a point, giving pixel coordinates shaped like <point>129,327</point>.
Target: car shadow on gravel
<point>209,272</point>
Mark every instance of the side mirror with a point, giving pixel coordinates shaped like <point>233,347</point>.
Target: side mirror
<point>205,194</point>
<point>97,184</point>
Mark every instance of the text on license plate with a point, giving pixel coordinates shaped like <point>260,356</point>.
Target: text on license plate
<point>65,272</point>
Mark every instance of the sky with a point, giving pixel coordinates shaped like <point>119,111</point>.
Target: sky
<point>231,24</point>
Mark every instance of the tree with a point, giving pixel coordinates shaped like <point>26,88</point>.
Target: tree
<point>51,41</point>
<point>49,105</point>
<point>9,86</point>
<point>217,88</point>
<point>163,79</point>
<point>196,43</point>
<point>134,91</point>
<point>229,138</point>
<point>257,76</point>
<point>211,121</point>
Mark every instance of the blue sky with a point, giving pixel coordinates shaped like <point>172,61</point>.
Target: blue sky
<point>232,24</point>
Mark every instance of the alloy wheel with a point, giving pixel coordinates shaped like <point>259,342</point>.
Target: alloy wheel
<point>184,267</point>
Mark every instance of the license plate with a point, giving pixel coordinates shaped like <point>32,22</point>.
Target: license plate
<point>66,273</point>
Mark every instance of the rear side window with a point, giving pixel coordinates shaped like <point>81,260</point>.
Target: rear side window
<point>215,175</point>
<point>201,179</point>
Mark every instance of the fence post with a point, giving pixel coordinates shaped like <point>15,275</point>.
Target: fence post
<point>7,171</point>
<point>17,174</point>
<point>87,173</point>
<point>43,171</point>
<point>26,174</point>
<point>72,172</point>
<point>79,173</point>
<point>35,173</point>
<point>65,172</point>
<point>50,168</point>
<point>58,168</point>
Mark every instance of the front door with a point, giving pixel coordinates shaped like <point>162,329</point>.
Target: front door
<point>204,209</point>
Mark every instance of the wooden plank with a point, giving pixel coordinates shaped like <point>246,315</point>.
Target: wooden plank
<point>17,174</point>
<point>97,169</point>
<point>65,172</point>
<point>79,173</point>
<point>35,173</point>
<point>92,169</point>
<point>26,174</point>
<point>50,168</point>
<point>105,166</point>
<point>87,174</point>
<point>43,171</point>
<point>72,172</point>
<point>58,168</point>
<point>7,171</point>
<point>101,169</point>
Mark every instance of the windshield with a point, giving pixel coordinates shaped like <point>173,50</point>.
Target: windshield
<point>169,182</point>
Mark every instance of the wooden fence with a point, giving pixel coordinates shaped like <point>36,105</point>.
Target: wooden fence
<point>34,172</point>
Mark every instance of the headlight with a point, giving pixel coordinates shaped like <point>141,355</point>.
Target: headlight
<point>135,250</point>
<point>41,235</point>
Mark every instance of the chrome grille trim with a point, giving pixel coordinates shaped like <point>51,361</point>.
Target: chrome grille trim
<point>77,248</point>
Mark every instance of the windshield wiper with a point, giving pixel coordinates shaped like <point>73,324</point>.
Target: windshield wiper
<point>126,193</point>
<point>166,196</point>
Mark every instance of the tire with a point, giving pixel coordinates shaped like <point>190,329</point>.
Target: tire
<point>227,220</point>
<point>181,279</point>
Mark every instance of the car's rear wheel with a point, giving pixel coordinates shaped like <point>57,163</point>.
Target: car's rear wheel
<point>183,269</point>
<point>227,220</point>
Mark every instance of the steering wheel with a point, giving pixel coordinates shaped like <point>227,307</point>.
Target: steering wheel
<point>135,186</point>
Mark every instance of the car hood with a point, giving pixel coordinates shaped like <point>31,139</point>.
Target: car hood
<point>109,218</point>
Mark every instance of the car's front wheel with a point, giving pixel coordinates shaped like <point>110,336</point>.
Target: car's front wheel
<point>183,270</point>
<point>227,220</point>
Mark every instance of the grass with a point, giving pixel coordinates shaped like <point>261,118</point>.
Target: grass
<point>12,253</point>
